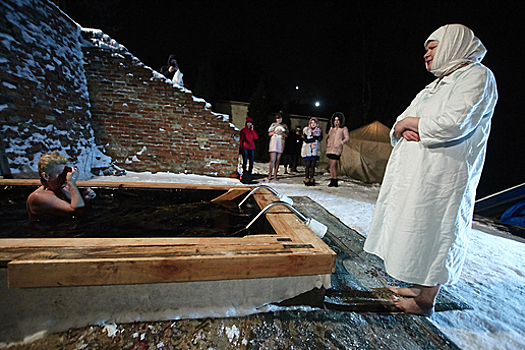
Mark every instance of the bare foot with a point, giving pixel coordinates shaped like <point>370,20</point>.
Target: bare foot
<point>413,306</point>
<point>275,179</point>
<point>406,292</point>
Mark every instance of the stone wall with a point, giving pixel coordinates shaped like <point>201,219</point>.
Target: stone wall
<point>44,102</point>
<point>82,94</point>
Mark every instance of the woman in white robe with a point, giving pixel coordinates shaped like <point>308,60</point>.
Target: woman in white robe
<point>424,210</point>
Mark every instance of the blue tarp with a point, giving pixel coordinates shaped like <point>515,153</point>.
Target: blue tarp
<point>515,215</point>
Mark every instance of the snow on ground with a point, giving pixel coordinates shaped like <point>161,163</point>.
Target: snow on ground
<point>493,278</point>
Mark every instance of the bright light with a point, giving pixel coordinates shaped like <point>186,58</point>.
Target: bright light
<point>297,87</point>
<point>317,103</point>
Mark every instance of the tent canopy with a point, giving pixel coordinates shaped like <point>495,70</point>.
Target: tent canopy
<point>366,154</point>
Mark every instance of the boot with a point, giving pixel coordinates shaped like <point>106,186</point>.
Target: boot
<point>312,181</point>
<point>306,181</point>
<point>333,183</point>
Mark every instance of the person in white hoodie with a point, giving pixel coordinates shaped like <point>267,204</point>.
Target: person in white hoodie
<point>423,215</point>
<point>172,71</point>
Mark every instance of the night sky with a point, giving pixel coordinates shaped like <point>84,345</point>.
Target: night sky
<point>364,59</point>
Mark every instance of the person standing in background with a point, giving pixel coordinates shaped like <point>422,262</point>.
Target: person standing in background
<point>172,71</point>
<point>277,132</point>
<point>337,137</point>
<point>247,146</point>
<point>292,149</point>
<point>311,149</point>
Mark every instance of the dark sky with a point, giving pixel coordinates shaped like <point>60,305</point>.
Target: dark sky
<point>333,50</point>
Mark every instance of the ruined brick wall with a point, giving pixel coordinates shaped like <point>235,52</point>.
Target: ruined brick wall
<point>79,92</point>
<point>44,103</point>
<point>146,123</point>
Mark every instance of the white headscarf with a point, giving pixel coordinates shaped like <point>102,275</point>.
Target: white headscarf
<point>457,46</point>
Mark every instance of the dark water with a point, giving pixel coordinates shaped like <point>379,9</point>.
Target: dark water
<point>118,212</point>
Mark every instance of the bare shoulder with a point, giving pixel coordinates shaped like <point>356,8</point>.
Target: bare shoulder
<point>37,195</point>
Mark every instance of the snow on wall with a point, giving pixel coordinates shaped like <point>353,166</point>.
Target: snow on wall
<point>52,98</point>
<point>44,100</point>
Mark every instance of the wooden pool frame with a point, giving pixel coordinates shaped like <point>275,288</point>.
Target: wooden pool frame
<point>52,262</point>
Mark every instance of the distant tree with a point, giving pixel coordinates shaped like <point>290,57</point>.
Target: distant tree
<point>258,110</point>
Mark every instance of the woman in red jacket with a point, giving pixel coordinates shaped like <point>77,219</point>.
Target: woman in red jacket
<point>247,145</point>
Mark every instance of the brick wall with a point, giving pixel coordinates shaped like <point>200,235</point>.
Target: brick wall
<point>146,123</point>
<point>79,92</point>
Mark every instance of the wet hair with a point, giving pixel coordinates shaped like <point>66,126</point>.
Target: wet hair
<point>49,160</point>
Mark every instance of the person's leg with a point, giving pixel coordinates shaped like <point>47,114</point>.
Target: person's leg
<point>251,156</point>
<point>289,162</point>
<point>312,168</point>
<point>333,171</point>
<point>285,163</point>
<point>277,160</point>
<point>306,172</point>
<point>295,162</point>
<point>271,165</point>
<point>420,304</point>
<point>244,153</point>
<point>307,168</point>
<point>312,172</point>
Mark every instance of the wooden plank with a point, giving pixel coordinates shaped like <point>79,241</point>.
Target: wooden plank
<point>108,242</point>
<point>160,270</point>
<point>232,194</point>
<point>147,251</point>
<point>125,184</point>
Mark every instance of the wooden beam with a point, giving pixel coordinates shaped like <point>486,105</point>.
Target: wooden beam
<point>125,184</point>
<point>232,194</point>
<point>52,273</point>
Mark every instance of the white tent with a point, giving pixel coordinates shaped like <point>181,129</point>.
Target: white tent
<point>366,154</point>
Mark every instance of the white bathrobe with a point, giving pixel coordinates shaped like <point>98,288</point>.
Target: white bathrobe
<point>423,214</point>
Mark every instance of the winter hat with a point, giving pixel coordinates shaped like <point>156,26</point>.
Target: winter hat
<point>249,120</point>
<point>172,61</point>
<point>314,119</point>
<point>457,46</point>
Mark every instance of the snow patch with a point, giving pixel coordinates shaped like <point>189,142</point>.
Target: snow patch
<point>8,85</point>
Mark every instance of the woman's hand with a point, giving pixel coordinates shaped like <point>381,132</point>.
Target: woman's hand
<point>410,135</point>
<point>72,176</point>
<point>408,123</point>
